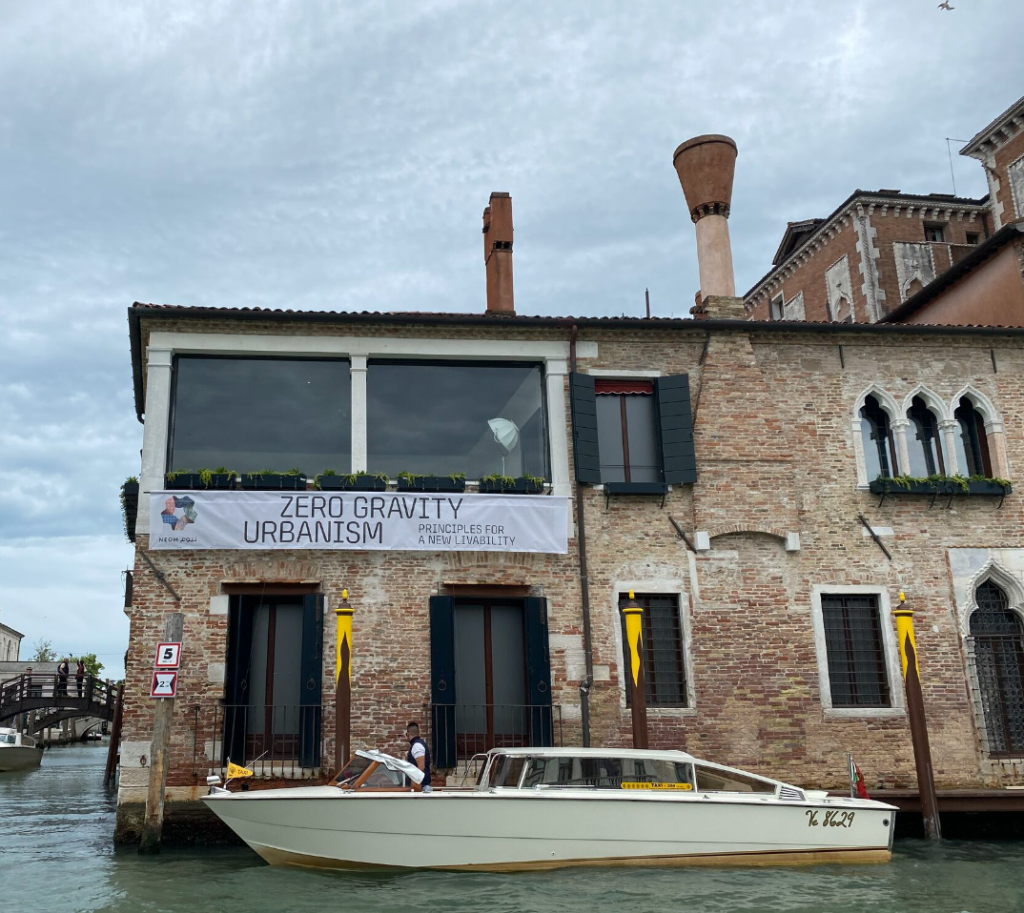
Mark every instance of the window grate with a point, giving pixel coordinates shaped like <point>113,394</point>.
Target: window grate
<point>856,655</point>
<point>663,650</point>
<point>997,648</point>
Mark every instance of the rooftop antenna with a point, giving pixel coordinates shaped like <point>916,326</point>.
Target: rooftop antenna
<point>647,298</point>
<point>949,152</point>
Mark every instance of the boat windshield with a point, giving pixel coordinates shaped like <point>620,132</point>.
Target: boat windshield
<point>604,773</point>
<point>7,738</point>
<point>711,780</point>
<point>380,777</point>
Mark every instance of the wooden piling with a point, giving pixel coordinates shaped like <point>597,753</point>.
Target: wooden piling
<point>113,750</point>
<point>637,676</point>
<point>163,716</point>
<point>918,724</point>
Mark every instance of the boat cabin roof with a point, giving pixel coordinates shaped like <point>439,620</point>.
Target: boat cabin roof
<point>639,753</point>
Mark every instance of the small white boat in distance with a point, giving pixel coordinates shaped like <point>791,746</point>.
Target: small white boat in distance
<point>544,808</point>
<point>17,751</point>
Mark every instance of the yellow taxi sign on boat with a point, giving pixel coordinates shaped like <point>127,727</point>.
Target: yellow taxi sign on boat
<point>656,786</point>
<point>237,772</point>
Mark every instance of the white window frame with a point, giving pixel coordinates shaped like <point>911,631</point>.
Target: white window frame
<point>780,300</point>
<point>892,662</point>
<point>165,345</point>
<point>657,587</point>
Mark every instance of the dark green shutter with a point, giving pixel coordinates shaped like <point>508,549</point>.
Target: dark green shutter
<point>442,681</point>
<point>675,429</point>
<point>584,428</point>
<point>236,685</point>
<point>538,672</point>
<point>311,669</point>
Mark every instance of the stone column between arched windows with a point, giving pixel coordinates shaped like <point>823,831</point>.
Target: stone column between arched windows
<point>948,428</point>
<point>899,430</point>
<point>997,449</point>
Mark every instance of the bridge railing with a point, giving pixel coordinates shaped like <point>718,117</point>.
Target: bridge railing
<point>37,689</point>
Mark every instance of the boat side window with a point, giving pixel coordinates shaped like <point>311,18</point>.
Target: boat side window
<point>509,772</point>
<point>7,738</point>
<point>725,781</point>
<point>608,773</point>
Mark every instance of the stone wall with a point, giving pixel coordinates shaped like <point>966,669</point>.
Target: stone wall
<point>776,456</point>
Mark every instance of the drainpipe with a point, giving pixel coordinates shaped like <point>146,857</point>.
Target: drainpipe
<point>581,538</point>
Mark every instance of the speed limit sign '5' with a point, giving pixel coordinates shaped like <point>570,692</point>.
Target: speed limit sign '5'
<point>168,655</point>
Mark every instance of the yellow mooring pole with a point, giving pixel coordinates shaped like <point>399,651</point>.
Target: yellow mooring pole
<point>918,726</point>
<point>343,684</point>
<point>634,615</point>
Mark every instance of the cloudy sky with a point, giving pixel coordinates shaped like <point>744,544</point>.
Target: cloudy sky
<point>330,155</point>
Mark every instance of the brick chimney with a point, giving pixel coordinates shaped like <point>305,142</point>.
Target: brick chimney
<point>705,165</point>
<point>498,254</point>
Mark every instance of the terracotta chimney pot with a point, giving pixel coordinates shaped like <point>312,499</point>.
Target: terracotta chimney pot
<point>706,165</point>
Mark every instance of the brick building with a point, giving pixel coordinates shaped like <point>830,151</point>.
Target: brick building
<point>718,467</point>
<point>878,249</point>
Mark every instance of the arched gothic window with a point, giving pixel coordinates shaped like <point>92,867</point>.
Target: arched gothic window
<point>924,441</point>
<point>971,441</point>
<point>998,645</point>
<point>879,449</point>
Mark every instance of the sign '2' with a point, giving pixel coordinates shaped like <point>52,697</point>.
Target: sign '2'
<point>168,655</point>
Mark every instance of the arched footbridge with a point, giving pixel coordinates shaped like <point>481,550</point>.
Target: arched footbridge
<point>50,700</point>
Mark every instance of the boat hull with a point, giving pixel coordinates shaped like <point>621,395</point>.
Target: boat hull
<point>19,757</point>
<point>322,827</point>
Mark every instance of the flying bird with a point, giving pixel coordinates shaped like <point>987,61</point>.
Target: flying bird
<point>945,6</point>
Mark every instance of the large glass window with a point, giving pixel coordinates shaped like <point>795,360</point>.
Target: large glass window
<point>879,450</point>
<point>439,418</point>
<point>248,414</point>
<point>971,441</point>
<point>925,444</point>
<point>856,654</point>
<point>627,431</point>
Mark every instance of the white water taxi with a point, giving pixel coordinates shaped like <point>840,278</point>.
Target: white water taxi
<point>17,751</point>
<point>544,808</point>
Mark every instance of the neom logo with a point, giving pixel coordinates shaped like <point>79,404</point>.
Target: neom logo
<point>178,513</point>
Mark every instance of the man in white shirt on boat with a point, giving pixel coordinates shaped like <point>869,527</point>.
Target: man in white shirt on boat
<point>419,754</point>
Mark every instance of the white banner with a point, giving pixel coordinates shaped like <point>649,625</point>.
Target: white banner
<point>355,521</point>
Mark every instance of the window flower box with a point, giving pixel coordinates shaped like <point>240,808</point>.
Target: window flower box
<point>507,486</point>
<point>357,482</point>
<point>988,487</point>
<point>130,507</point>
<point>431,483</point>
<point>908,487</point>
<point>273,481</point>
<point>199,481</point>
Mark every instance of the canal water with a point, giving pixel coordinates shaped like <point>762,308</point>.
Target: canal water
<point>56,854</point>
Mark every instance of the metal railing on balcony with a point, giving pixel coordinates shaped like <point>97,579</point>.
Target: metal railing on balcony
<point>459,731</point>
<point>280,740</point>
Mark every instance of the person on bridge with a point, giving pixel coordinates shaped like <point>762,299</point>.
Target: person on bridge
<point>80,676</point>
<point>63,669</point>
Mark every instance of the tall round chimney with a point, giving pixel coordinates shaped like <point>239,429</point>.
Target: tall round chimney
<point>705,165</point>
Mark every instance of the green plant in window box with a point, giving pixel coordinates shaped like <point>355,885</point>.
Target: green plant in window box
<point>219,479</point>
<point>329,480</point>
<point>408,481</point>
<point>184,480</point>
<point>501,484</point>
<point>130,506</point>
<point>940,484</point>
<point>272,480</point>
